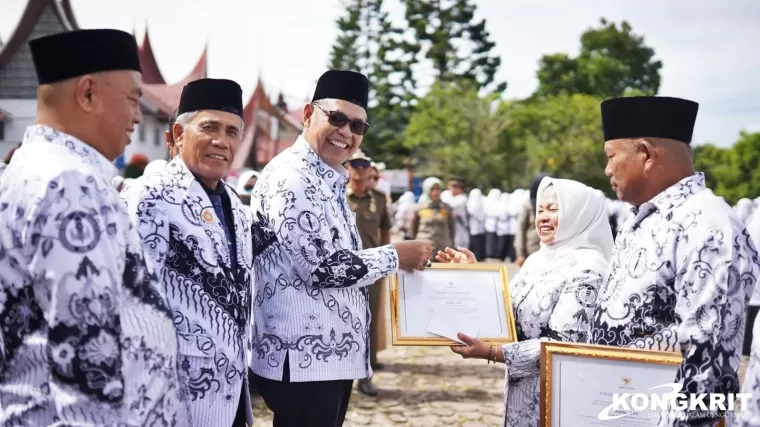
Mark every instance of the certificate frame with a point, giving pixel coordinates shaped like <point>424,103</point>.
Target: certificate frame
<point>397,305</point>
<point>549,349</point>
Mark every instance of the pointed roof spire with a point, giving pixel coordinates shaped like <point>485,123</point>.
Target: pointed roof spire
<point>151,74</point>
<point>281,102</point>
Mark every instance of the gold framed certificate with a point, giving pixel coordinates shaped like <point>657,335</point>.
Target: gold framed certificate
<point>429,307</point>
<point>597,385</point>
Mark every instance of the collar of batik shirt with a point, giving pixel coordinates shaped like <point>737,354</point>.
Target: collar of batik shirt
<point>335,177</point>
<point>44,134</point>
<point>670,199</point>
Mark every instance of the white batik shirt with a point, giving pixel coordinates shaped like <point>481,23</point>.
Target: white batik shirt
<point>311,272</point>
<point>682,272</point>
<point>209,291</point>
<point>555,292</point>
<point>87,338</point>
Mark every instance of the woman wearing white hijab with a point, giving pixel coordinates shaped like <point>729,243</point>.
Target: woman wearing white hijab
<point>555,291</point>
<point>404,211</point>
<point>477,213</point>
<point>493,209</point>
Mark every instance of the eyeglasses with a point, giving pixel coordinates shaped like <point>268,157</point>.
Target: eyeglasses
<point>359,163</point>
<point>340,119</point>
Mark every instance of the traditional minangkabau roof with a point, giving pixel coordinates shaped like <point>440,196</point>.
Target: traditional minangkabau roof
<point>259,101</point>
<point>29,19</point>
<point>165,97</point>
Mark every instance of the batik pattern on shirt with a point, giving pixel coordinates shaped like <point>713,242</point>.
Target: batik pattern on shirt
<point>210,296</point>
<point>681,274</point>
<point>551,301</point>
<point>311,273</point>
<point>87,337</point>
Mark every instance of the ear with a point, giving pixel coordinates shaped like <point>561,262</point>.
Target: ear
<point>178,132</point>
<point>648,152</point>
<point>308,110</point>
<point>85,90</point>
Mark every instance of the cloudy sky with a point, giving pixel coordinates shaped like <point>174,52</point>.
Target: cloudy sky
<point>709,47</point>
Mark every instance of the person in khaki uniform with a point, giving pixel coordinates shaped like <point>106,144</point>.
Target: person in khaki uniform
<point>434,220</point>
<point>374,223</point>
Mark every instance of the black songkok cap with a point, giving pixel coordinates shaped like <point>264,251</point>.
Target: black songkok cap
<point>649,117</point>
<point>346,85</point>
<point>71,54</point>
<point>211,94</point>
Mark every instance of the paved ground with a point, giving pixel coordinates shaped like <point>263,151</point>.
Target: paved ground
<point>426,386</point>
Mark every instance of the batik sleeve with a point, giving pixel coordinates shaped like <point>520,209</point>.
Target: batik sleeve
<point>716,275</point>
<point>75,256</point>
<point>569,322</point>
<point>295,209</point>
<point>151,222</point>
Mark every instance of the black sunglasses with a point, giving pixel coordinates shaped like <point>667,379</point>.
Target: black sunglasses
<point>340,119</point>
<point>359,163</point>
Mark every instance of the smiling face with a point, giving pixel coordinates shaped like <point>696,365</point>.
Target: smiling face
<point>208,143</point>
<point>547,215</point>
<point>334,145</point>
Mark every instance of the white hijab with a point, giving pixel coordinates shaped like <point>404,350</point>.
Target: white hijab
<point>583,230</point>
<point>404,208</point>
<point>446,197</point>
<point>505,205</point>
<point>492,203</point>
<point>475,204</point>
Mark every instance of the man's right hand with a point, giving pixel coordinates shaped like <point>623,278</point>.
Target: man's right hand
<point>413,254</point>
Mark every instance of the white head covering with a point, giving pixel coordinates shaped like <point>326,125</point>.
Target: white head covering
<point>404,208</point>
<point>154,167</point>
<point>505,204</point>
<point>583,221</point>
<point>446,197</point>
<point>243,179</point>
<point>744,208</point>
<point>428,185</point>
<point>492,202</point>
<point>475,203</point>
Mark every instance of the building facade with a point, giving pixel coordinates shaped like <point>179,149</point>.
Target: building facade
<point>269,128</point>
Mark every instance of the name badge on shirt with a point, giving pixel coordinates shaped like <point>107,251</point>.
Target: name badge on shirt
<point>207,215</point>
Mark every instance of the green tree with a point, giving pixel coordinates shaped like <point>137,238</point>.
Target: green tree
<point>370,43</point>
<point>612,60</point>
<point>561,135</point>
<point>458,46</point>
<point>347,51</point>
<point>455,132</point>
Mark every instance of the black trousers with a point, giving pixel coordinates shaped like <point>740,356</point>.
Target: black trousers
<point>478,246</point>
<point>307,404</point>
<point>751,316</point>
<point>241,410</point>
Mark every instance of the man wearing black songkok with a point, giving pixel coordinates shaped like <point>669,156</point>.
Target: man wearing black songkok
<point>683,266</point>
<point>197,237</point>
<point>311,312</point>
<point>86,337</point>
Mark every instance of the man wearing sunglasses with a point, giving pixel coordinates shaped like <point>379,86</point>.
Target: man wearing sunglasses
<point>311,311</point>
<point>374,223</point>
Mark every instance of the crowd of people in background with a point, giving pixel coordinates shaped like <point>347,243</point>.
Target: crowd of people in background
<point>499,226</point>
